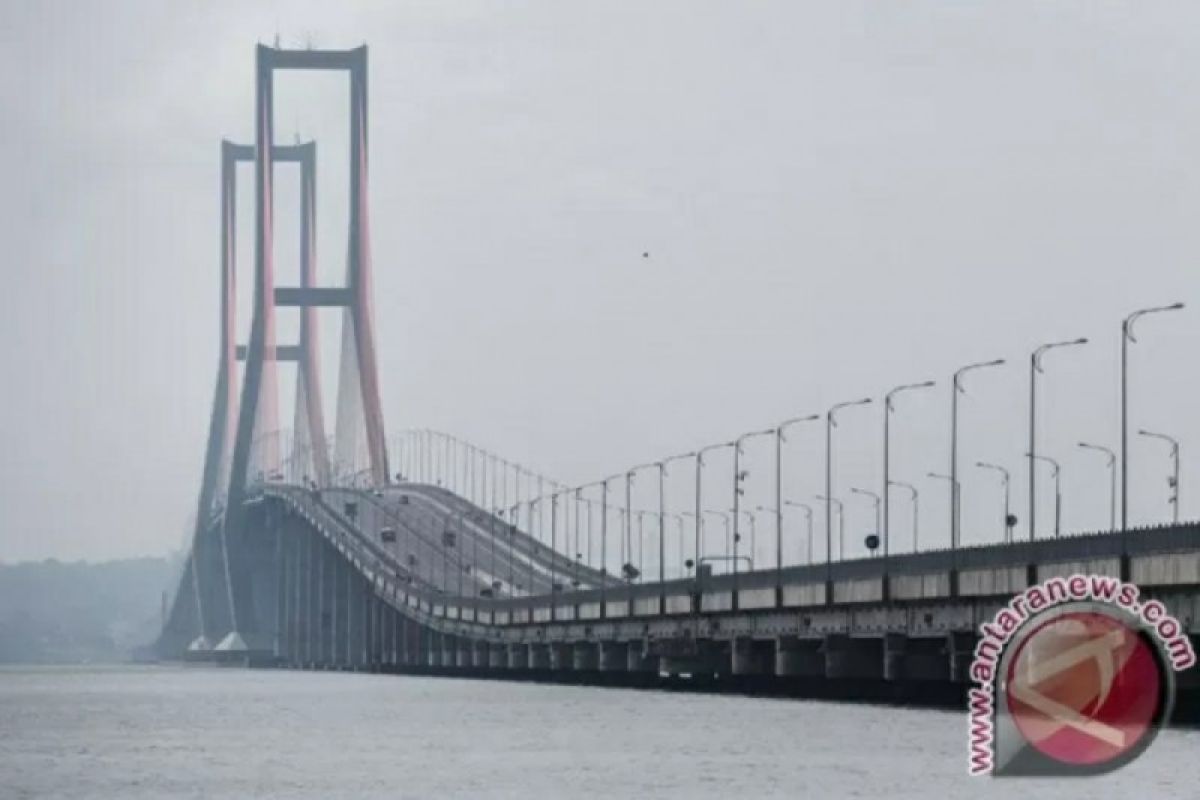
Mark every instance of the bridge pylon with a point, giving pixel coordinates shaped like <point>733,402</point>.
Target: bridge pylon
<point>359,437</point>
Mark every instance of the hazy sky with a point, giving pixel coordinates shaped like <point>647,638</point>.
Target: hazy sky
<point>836,198</point>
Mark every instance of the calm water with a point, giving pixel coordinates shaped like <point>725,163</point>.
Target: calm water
<point>179,732</point>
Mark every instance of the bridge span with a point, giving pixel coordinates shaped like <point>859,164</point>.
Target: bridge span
<point>413,577</point>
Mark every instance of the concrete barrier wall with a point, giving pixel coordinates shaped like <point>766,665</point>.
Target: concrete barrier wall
<point>991,581</point>
<point>1166,570</point>
<point>756,598</point>
<point>716,601</point>
<point>918,587</point>
<point>645,606</point>
<point>804,594</point>
<point>863,590</point>
<point>679,604</point>
<point>1091,566</point>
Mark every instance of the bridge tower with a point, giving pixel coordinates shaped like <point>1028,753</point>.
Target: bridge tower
<point>209,556</point>
<point>359,436</point>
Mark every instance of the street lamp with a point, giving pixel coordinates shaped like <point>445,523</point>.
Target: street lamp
<point>888,407</point>
<point>841,509</point>
<point>753,520</point>
<point>1173,481</point>
<point>951,483</point>
<point>830,424</point>
<point>724,517</point>
<point>1127,337</point>
<point>662,510</point>
<point>915,513</point>
<point>699,507</point>
<point>956,389</point>
<point>739,476</point>
<point>1035,368</point>
<point>1057,473</point>
<point>876,499</point>
<point>780,437</point>
<point>1005,478</point>
<point>688,564</point>
<point>628,506</point>
<point>808,515</point>
<point>1112,480</point>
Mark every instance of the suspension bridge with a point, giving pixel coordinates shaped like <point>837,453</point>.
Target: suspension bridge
<point>423,552</point>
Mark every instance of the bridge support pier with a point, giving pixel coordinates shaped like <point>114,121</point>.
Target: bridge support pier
<point>539,656</point>
<point>750,657</point>
<point>466,653</point>
<point>449,651</point>
<point>925,659</point>
<point>479,655</point>
<point>561,656</point>
<point>518,656</point>
<point>497,656</point>
<point>848,657</point>
<point>397,636</point>
<point>433,647</point>
<point>693,658</point>
<point>638,658</point>
<point>614,656</point>
<point>799,657</point>
<point>960,648</point>
<point>585,656</point>
<point>895,654</point>
<point>325,596</point>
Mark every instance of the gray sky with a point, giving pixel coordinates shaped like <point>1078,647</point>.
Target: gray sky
<point>836,198</point>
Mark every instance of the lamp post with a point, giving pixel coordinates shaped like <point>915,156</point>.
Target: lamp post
<point>876,499</point>
<point>808,516</point>
<point>780,437</point>
<point>1127,337</point>
<point>629,505</point>
<point>533,540</point>
<point>724,517</point>
<point>1056,471</point>
<point>699,507</point>
<point>915,511</point>
<point>841,509</point>
<point>1005,479</point>
<point>662,512</point>
<point>604,544</point>
<point>830,424</point>
<point>1035,368</point>
<point>1112,480</point>
<point>888,407</point>
<point>1173,481</point>
<point>603,484</point>
<point>949,482</point>
<point>956,388</point>
<point>753,520</point>
<point>739,476</point>
<point>699,523</point>
<point>682,535</point>
<point>578,553</point>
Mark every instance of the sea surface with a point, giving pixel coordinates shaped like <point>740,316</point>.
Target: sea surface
<point>167,732</point>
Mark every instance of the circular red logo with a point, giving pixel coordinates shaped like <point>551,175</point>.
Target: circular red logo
<point>1084,688</point>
